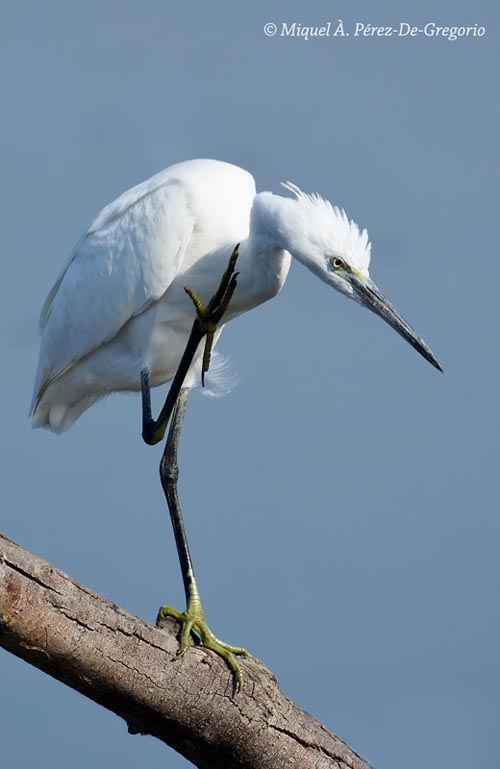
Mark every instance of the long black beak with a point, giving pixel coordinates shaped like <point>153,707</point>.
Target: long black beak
<point>367,294</point>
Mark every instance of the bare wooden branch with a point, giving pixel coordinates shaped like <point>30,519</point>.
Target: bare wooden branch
<point>127,665</point>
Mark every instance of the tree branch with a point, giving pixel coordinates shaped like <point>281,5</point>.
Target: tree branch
<point>128,666</point>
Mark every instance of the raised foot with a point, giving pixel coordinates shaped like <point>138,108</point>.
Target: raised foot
<point>193,620</point>
<point>209,317</point>
<point>205,325</point>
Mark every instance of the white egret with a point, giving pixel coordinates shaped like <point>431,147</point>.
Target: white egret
<point>118,318</point>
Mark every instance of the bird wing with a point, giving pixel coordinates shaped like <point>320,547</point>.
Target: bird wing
<point>123,263</point>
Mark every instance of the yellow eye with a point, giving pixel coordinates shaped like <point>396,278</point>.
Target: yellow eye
<point>337,263</point>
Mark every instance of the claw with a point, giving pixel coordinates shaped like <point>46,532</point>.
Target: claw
<point>225,283</point>
<point>193,620</point>
<point>210,316</point>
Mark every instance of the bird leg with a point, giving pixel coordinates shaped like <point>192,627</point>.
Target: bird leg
<point>205,324</point>
<point>193,618</point>
<point>210,316</point>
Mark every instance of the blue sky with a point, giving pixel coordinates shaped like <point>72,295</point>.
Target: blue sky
<point>341,503</point>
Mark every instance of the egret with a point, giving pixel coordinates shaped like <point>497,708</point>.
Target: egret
<point>118,317</point>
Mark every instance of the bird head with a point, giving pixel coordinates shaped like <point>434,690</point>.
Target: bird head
<point>334,248</point>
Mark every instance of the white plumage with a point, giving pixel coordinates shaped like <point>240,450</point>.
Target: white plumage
<point>119,306</point>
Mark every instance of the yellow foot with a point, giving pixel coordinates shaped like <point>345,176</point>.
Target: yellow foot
<point>193,620</point>
<point>210,316</point>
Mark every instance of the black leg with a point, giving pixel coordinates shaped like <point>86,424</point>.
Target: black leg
<point>205,324</point>
<point>154,431</point>
<point>193,619</point>
<point>169,474</point>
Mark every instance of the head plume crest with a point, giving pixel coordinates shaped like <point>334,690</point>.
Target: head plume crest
<point>353,243</point>
<point>291,187</point>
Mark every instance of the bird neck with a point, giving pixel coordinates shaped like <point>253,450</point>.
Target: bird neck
<point>264,264</point>
<point>267,231</point>
<point>266,251</point>
<point>276,226</point>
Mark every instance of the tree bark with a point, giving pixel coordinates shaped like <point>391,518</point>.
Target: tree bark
<point>129,667</point>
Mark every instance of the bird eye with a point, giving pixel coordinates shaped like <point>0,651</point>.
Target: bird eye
<point>337,263</point>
